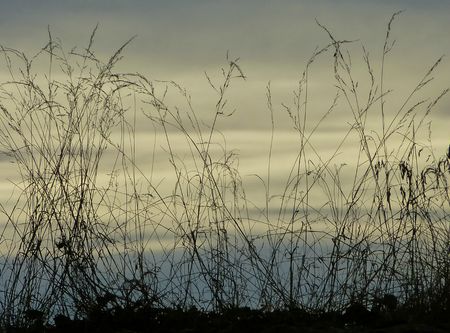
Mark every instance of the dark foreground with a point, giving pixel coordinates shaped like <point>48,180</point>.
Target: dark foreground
<point>355,319</point>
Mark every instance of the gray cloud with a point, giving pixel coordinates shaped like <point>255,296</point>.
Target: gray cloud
<point>178,40</point>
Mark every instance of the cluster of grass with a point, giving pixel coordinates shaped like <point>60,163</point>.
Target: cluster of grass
<point>78,241</point>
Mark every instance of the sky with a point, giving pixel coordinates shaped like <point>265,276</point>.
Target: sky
<point>181,40</point>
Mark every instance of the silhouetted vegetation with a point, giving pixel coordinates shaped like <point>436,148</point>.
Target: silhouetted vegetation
<point>87,249</point>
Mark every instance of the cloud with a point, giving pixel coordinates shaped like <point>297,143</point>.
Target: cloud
<point>179,40</point>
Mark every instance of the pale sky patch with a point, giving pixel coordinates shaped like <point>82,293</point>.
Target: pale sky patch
<point>180,40</point>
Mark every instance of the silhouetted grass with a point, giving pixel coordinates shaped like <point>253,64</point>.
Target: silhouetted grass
<point>97,245</point>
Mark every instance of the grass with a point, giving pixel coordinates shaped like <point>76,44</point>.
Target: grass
<point>84,243</point>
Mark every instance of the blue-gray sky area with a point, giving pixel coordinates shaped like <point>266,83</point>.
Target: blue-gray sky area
<point>180,40</point>
<point>189,35</point>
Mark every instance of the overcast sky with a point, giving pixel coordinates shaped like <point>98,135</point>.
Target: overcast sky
<point>180,40</point>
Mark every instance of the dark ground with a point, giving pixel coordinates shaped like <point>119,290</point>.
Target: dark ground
<point>355,319</point>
